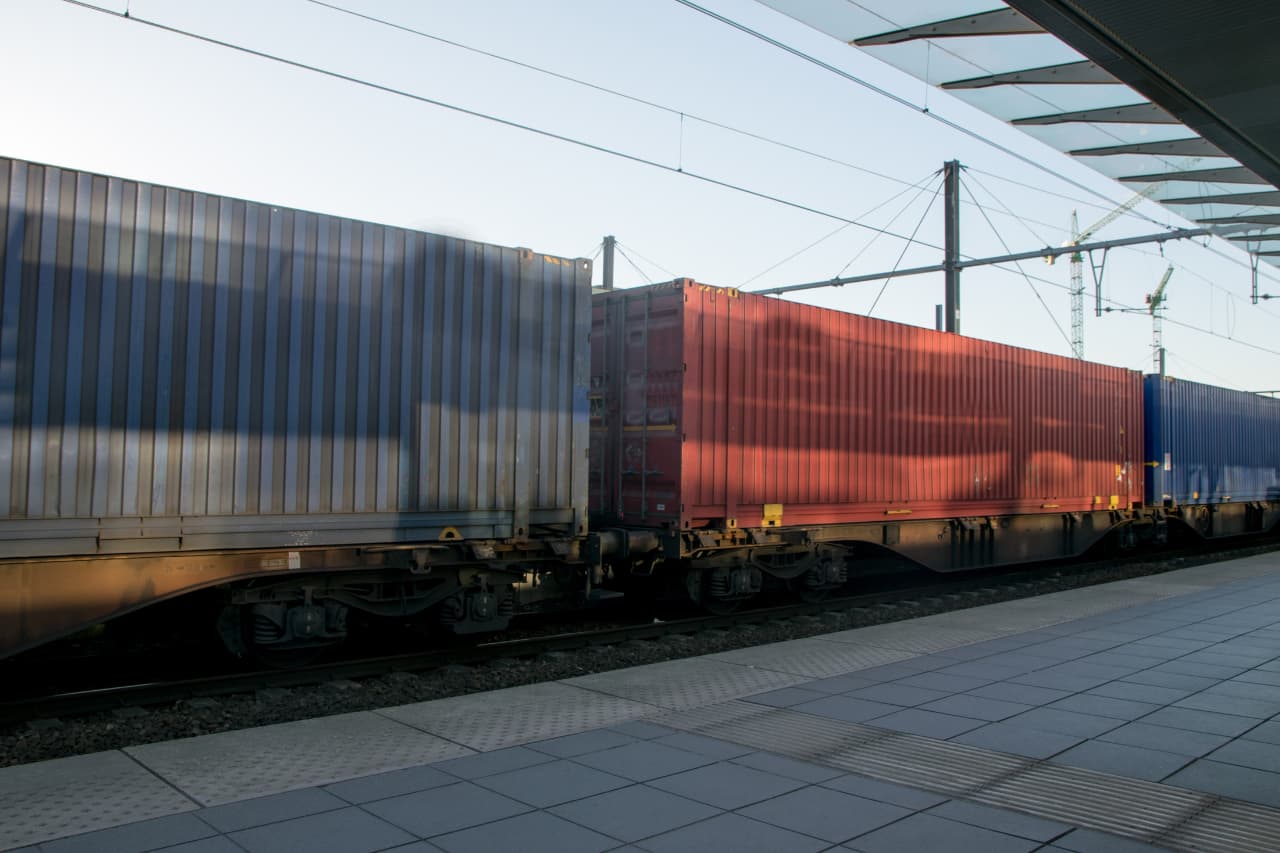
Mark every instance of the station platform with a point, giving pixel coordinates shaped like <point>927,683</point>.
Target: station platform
<point>1137,715</point>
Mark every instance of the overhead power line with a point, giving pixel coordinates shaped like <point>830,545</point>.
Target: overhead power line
<point>898,99</point>
<point>549,134</point>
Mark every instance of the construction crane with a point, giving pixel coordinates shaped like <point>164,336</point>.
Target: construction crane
<point>1077,259</point>
<point>1156,306</point>
<point>1077,265</point>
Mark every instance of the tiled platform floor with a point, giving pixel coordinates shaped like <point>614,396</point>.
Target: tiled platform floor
<point>1171,682</point>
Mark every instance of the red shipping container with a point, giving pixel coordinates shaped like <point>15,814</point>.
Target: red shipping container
<point>713,408</point>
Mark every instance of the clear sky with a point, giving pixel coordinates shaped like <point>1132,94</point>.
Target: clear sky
<point>98,92</point>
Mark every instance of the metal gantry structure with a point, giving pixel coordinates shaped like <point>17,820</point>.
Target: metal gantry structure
<point>1156,305</point>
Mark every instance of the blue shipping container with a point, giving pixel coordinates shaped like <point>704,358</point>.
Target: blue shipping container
<point>1209,445</point>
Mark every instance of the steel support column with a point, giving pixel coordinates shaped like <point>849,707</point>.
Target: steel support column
<point>951,243</point>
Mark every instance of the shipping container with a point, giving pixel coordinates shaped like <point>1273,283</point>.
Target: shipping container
<point>180,370</point>
<point>188,374</point>
<point>713,408</point>
<point>1209,445</point>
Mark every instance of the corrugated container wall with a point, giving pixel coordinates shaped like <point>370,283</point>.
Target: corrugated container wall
<point>711,406</point>
<point>181,370</point>
<point>1210,445</point>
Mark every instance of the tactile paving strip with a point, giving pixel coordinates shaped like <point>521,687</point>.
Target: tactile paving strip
<point>687,683</point>
<point>231,766</point>
<point>68,796</point>
<point>499,718</point>
<point>815,658</point>
<point>1144,811</point>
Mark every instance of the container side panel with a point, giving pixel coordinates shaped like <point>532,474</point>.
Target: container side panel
<point>818,416</point>
<point>207,372</point>
<point>1210,445</point>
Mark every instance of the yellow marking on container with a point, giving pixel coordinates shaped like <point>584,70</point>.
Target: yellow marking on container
<point>449,534</point>
<point>897,512</point>
<point>772,515</point>
<point>657,428</point>
<point>1115,502</point>
<point>1048,506</point>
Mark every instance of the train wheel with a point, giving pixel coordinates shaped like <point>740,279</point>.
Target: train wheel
<point>281,636</point>
<point>722,590</point>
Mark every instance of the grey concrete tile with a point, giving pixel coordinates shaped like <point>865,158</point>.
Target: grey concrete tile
<point>1259,676</point>
<point>1203,670</point>
<point>1020,661</point>
<point>581,743</point>
<point>1180,742</point>
<point>926,723</point>
<point>277,807</point>
<point>789,767</point>
<point>1001,820</point>
<point>1023,694</point>
<point>976,707</point>
<point>928,832</point>
<point>1201,721</point>
<point>1266,733</point>
<point>884,792</point>
<point>643,761</point>
<point>726,786</point>
<point>216,844</point>
<point>1103,706</point>
<point>642,729</point>
<point>1064,722</point>
<point>896,670</point>
<point>703,745</point>
<point>1092,841</point>
<point>945,683</point>
<point>414,847</point>
<point>447,809</point>
<point>733,832</point>
<point>1139,692</point>
<point>1246,753</point>
<point>1151,654</point>
<point>1119,661</point>
<point>840,683</point>
<point>896,693</point>
<point>1230,660</point>
<point>983,669</point>
<point>143,835</point>
<point>1087,669</point>
<point>1175,680</point>
<point>488,763</point>
<point>1060,681</point>
<point>379,786</point>
<point>1121,760</point>
<point>785,698</point>
<point>845,708</point>
<point>348,830</point>
<point>1230,780</point>
<point>1247,690</point>
<point>633,813</point>
<point>535,832</point>
<point>830,815</point>
<point>1221,704</point>
<point>1017,740</point>
<point>550,784</point>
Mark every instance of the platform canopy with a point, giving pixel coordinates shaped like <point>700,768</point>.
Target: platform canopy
<point>1179,99</point>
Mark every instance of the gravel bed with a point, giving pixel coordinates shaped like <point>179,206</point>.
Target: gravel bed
<point>39,740</point>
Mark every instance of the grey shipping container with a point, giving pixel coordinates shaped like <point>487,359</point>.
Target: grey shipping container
<point>184,371</point>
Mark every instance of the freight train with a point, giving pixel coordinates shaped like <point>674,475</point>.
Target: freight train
<point>288,419</point>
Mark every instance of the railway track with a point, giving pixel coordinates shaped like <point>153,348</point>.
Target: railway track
<point>883,605</point>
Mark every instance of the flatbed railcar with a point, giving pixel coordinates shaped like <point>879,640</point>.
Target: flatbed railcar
<point>738,439</point>
<point>308,414</point>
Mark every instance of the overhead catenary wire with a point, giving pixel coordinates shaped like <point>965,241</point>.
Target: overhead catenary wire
<point>903,253</point>
<point>921,184</point>
<point>681,114</point>
<point>509,123</point>
<point>898,99</point>
<point>644,275</point>
<point>1018,264</point>
<point>650,261</point>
